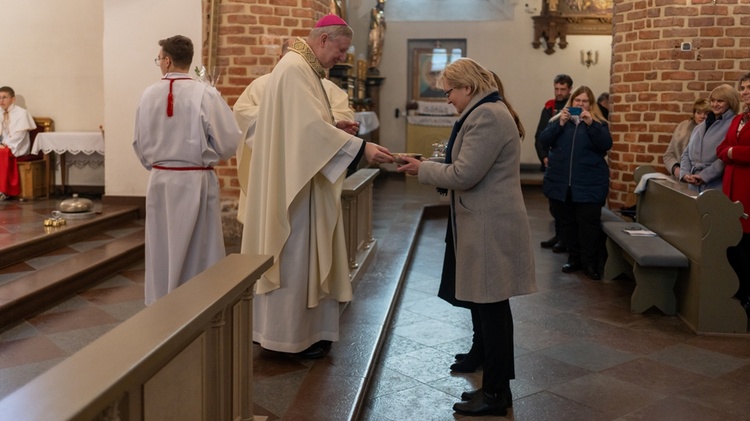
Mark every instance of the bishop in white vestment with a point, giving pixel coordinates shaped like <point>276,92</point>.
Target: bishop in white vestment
<point>246,112</point>
<point>299,158</point>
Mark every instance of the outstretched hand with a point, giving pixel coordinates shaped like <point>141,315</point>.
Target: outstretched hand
<point>411,166</point>
<point>375,153</point>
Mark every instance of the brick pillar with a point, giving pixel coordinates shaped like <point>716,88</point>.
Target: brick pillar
<point>250,37</point>
<point>654,82</point>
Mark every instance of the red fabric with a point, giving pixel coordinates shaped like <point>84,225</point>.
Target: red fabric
<point>170,101</point>
<point>170,97</point>
<point>10,182</point>
<point>160,167</point>
<point>30,157</point>
<point>550,105</point>
<point>736,181</point>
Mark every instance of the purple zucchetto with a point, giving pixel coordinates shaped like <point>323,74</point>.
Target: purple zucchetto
<point>330,20</point>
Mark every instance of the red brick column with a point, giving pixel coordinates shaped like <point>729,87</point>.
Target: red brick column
<point>654,82</point>
<point>250,37</point>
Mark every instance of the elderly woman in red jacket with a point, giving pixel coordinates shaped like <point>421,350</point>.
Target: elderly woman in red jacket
<point>735,152</point>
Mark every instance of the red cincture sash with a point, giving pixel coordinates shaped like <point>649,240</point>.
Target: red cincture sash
<point>159,167</point>
<point>170,97</point>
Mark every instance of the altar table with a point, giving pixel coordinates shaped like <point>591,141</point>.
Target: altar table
<point>90,144</point>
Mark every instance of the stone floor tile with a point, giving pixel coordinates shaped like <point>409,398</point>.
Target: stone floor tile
<point>607,394</point>
<point>589,355</point>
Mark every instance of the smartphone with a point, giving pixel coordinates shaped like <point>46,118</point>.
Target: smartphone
<point>575,110</point>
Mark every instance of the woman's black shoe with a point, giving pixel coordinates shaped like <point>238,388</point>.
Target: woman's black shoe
<point>548,244</point>
<point>505,394</point>
<point>571,267</point>
<point>559,247</point>
<point>460,357</point>
<point>467,365</point>
<point>467,396</point>
<point>483,404</point>
<point>592,273</point>
<point>746,305</point>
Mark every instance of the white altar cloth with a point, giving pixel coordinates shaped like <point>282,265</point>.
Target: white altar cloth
<point>368,121</point>
<point>72,142</point>
<point>83,149</point>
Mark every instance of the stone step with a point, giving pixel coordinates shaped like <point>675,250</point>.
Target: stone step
<point>40,288</point>
<point>47,239</point>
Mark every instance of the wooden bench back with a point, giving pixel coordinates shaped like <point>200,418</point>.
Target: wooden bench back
<point>43,124</point>
<point>702,227</point>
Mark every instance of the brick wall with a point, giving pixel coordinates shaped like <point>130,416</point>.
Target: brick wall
<point>250,37</point>
<point>654,82</point>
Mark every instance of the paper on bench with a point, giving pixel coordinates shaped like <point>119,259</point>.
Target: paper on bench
<point>639,232</point>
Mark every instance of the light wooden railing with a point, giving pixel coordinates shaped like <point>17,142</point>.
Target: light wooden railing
<point>186,357</point>
<point>356,205</point>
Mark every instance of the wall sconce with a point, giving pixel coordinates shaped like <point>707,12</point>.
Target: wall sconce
<point>586,57</point>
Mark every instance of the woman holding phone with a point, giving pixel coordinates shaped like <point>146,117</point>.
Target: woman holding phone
<point>577,178</point>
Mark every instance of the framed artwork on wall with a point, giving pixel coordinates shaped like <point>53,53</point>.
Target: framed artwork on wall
<point>560,18</point>
<point>426,60</point>
<point>582,17</point>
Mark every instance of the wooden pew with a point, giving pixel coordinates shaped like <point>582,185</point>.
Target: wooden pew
<point>186,357</point>
<point>701,227</point>
<point>651,261</point>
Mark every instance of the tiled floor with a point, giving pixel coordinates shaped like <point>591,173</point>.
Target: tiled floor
<point>39,342</point>
<point>580,353</point>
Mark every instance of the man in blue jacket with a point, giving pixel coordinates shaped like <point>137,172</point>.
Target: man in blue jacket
<point>563,85</point>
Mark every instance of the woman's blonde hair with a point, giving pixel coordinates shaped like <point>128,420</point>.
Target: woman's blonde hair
<point>467,73</point>
<point>701,104</point>
<point>728,94</point>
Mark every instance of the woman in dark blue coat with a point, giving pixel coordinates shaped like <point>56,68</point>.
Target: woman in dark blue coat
<point>577,178</point>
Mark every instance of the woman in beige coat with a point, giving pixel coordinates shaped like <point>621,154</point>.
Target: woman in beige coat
<point>491,236</point>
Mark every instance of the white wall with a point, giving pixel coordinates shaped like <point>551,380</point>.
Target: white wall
<point>84,63</point>
<point>502,46</point>
<point>51,56</point>
<point>132,30</point>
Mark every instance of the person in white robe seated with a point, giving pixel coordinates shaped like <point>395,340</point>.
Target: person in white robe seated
<point>14,141</point>
<point>246,112</point>
<point>182,129</point>
<point>300,155</point>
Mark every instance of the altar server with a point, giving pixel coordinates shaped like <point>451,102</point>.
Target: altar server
<point>182,129</point>
<point>14,141</point>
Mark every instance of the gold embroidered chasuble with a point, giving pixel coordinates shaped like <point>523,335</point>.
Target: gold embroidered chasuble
<point>294,140</point>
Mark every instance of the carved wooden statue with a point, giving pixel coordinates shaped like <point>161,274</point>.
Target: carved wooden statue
<point>376,37</point>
